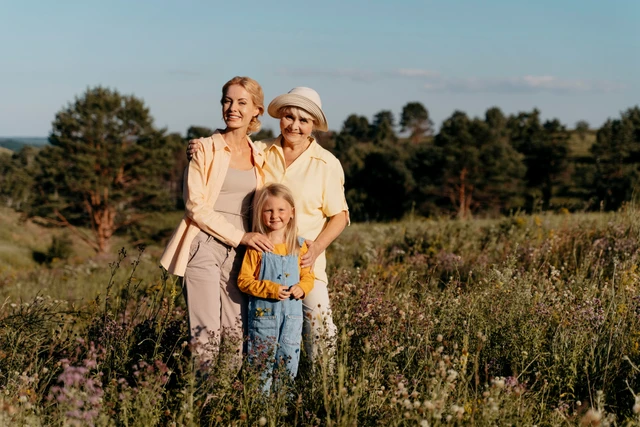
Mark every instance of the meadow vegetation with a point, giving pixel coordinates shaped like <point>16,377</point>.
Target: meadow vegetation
<point>523,320</point>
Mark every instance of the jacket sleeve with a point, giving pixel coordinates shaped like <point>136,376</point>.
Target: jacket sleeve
<point>307,278</point>
<point>248,277</point>
<point>202,213</point>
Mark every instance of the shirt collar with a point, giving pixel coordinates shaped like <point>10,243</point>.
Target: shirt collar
<point>220,144</point>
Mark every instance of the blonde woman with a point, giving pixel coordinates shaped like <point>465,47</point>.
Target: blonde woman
<point>206,247</point>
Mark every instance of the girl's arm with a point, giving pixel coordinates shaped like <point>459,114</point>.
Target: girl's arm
<point>248,282</point>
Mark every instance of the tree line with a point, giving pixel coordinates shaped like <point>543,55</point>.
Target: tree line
<point>108,165</point>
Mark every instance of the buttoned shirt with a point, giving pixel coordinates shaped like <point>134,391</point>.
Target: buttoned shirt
<point>203,181</point>
<point>316,179</point>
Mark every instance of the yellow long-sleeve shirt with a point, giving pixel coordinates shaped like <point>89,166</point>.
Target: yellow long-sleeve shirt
<point>249,283</point>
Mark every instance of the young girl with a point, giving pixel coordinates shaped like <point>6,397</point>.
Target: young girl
<point>276,283</point>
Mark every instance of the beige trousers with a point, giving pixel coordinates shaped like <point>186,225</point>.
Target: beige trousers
<point>217,308</point>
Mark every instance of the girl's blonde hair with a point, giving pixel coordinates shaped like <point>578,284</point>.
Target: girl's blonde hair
<point>291,231</point>
<point>257,96</point>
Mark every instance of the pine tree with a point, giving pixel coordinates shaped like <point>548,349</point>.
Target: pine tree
<point>106,165</point>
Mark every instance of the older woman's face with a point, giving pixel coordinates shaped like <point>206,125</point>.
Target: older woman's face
<point>296,126</point>
<point>238,108</point>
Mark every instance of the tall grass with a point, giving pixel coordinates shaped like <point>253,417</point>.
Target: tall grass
<point>526,320</point>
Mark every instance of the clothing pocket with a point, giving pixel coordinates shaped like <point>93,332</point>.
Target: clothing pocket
<point>193,250</point>
<point>292,330</point>
<point>263,330</point>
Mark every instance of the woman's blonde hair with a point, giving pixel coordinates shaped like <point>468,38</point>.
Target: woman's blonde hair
<point>257,96</point>
<point>291,232</point>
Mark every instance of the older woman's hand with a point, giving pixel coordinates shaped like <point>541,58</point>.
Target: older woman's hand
<point>257,241</point>
<point>309,258</point>
<point>194,145</point>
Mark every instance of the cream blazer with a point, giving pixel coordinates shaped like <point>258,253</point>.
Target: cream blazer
<point>203,181</point>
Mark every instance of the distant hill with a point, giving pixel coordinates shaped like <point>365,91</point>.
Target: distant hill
<point>15,143</point>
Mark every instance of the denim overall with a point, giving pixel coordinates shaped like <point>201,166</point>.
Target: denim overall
<point>275,326</point>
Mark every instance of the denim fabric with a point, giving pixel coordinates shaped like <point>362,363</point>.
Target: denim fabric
<point>275,327</point>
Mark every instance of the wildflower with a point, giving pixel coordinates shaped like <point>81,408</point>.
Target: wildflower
<point>424,423</point>
<point>591,418</point>
<point>439,338</point>
<point>262,421</point>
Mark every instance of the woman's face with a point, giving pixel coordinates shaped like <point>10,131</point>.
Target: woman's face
<point>296,126</point>
<point>238,108</point>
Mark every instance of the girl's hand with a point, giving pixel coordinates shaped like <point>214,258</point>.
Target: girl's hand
<point>283,293</point>
<point>257,241</point>
<point>297,292</point>
<point>308,259</point>
<point>194,145</point>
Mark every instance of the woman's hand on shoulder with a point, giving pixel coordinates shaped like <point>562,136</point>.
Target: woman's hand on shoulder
<point>309,258</point>
<point>257,241</point>
<point>194,145</point>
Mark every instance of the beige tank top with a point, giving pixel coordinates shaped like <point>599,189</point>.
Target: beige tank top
<point>236,196</point>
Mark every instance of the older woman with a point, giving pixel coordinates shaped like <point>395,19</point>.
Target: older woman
<point>206,246</point>
<point>316,180</point>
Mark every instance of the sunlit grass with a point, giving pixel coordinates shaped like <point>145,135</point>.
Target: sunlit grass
<point>525,320</point>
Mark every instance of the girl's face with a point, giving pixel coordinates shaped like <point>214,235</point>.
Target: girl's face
<point>296,126</point>
<point>238,108</point>
<point>276,213</point>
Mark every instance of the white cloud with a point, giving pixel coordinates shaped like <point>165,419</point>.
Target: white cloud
<point>415,72</point>
<point>350,73</point>
<point>434,81</point>
<point>527,83</point>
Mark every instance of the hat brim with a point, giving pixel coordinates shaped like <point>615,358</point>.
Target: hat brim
<point>293,100</point>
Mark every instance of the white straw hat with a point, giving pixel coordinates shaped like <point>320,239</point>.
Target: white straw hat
<point>301,97</point>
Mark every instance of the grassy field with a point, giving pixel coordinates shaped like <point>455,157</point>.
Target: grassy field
<point>526,320</point>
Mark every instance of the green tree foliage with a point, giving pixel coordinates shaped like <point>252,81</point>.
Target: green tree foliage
<point>479,168</point>
<point>617,154</point>
<point>107,163</point>
<point>16,177</point>
<point>415,118</point>
<point>545,148</point>
<point>357,127</point>
<point>262,134</point>
<point>582,127</point>
<point>378,181</point>
<point>381,130</point>
<point>195,132</point>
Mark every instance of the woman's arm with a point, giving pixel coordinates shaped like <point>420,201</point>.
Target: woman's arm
<point>203,214</point>
<point>199,209</point>
<point>307,278</point>
<point>334,227</point>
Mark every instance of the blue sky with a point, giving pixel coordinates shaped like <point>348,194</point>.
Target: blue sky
<point>572,59</point>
